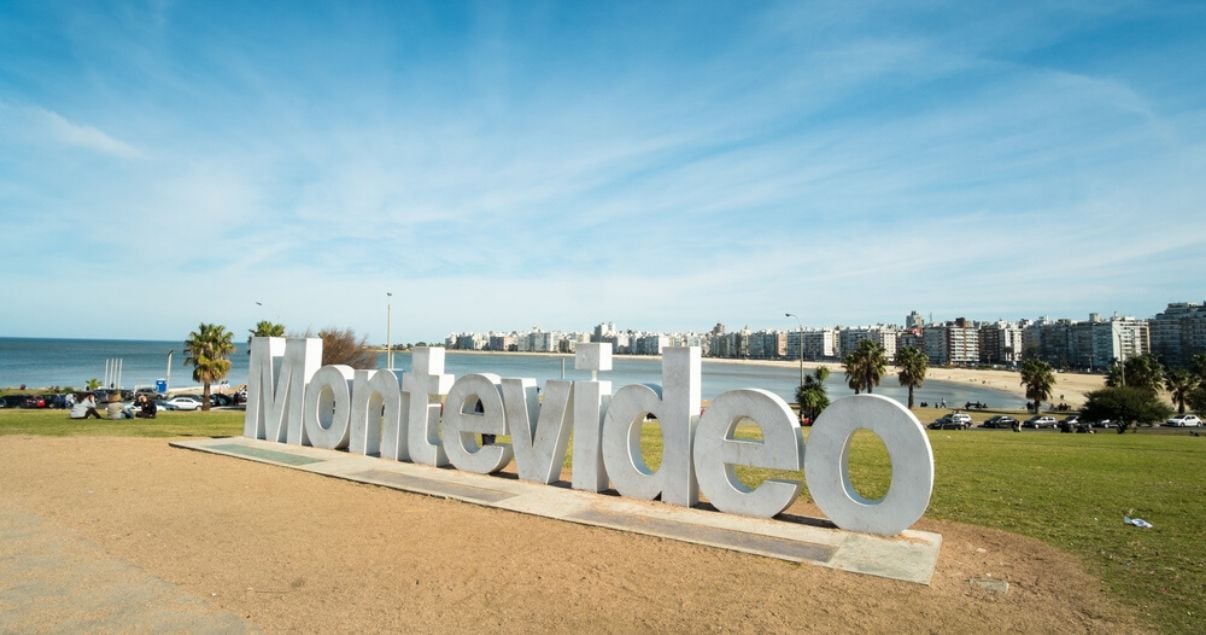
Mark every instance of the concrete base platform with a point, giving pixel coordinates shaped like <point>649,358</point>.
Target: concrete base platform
<point>910,557</point>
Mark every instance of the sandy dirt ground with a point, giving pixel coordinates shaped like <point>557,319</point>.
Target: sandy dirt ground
<point>290,551</point>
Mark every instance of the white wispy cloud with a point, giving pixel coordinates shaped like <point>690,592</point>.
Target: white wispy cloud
<point>845,162</point>
<point>63,130</point>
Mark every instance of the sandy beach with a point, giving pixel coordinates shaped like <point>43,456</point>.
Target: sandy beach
<point>1070,388</point>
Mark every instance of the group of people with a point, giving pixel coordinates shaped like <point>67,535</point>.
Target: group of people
<point>143,407</point>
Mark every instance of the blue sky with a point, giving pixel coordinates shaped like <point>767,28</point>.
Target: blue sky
<point>665,166</point>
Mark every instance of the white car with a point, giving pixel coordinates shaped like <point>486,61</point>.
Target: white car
<point>1184,421</point>
<point>182,403</point>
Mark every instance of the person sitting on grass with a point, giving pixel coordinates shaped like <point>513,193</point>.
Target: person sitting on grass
<point>85,408</point>
<point>146,408</point>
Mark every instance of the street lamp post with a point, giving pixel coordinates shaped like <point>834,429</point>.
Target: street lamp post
<point>389,324</point>
<point>167,374</point>
<point>799,343</point>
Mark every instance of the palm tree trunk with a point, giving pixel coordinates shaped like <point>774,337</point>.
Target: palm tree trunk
<point>205,396</point>
<point>910,397</point>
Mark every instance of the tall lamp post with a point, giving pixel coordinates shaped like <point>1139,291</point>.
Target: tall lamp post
<point>799,343</point>
<point>389,324</point>
<point>167,374</point>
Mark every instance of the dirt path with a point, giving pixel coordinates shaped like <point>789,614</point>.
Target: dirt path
<point>290,551</point>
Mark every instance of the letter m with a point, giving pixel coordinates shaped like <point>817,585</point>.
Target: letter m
<point>276,385</point>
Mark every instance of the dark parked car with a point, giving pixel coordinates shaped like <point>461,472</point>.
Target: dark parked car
<point>15,401</point>
<point>1001,422</point>
<point>19,401</point>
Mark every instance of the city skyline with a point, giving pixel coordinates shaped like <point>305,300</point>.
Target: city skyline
<point>165,164</point>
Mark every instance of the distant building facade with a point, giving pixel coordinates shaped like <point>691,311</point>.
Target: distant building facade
<point>1178,333</point>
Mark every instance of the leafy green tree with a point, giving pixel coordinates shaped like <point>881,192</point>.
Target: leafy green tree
<point>811,394</point>
<point>92,384</point>
<point>1126,404</point>
<point>208,351</point>
<point>1039,380</point>
<point>865,366</point>
<point>911,364</point>
<point>1180,383</point>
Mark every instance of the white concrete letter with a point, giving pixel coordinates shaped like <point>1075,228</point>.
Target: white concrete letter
<point>424,386</point>
<point>461,428</point>
<point>590,403</point>
<point>827,471</point>
<point>328,404</point>
<point>677,410</point>
<point>539,433</point>
<point>276,387</point>
<point>717,451</point>
<point>377,416</point>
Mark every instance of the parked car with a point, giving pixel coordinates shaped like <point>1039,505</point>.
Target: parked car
<point>1038,423</point>
<point>181,403</point>
<point>954,421</point>
<point>1184,421</point>
<point>1105,423</point>
<point>19,401</point>
<point>1071,419</point>
<point>1000,421</point>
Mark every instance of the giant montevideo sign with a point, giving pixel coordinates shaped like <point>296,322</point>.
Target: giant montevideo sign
<point>429,417</point>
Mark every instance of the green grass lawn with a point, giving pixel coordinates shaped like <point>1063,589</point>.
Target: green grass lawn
<point>54,423</point>
<point>1069,490</point>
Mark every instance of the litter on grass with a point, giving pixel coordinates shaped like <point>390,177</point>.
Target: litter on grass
<point>1138,522</point>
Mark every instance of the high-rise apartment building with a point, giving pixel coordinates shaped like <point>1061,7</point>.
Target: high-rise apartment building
<point>956,342</point>
<point>1178,333</point>
<point>1000,342</point>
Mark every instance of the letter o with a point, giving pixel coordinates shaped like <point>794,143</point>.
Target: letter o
<point>827,471</point>
<point>327,407</point>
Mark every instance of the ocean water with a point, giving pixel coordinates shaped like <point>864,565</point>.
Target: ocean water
<point>39,362</point>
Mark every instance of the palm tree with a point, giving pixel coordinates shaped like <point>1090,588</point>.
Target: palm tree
<point>865,366</point>
<point>92,384</point>
<point>854,374</point>
<point>208,349</point>
<point>1145,372</point>
<point>1039,380</point>
<point>811,394</point>
<point>264,328</point>
<point>1180,383</point>
<point>911,364</point>
<point>1197,365</point>
<point>1116,376</point>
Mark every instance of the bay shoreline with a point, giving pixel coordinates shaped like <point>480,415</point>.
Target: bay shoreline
<point>1070,388</point>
